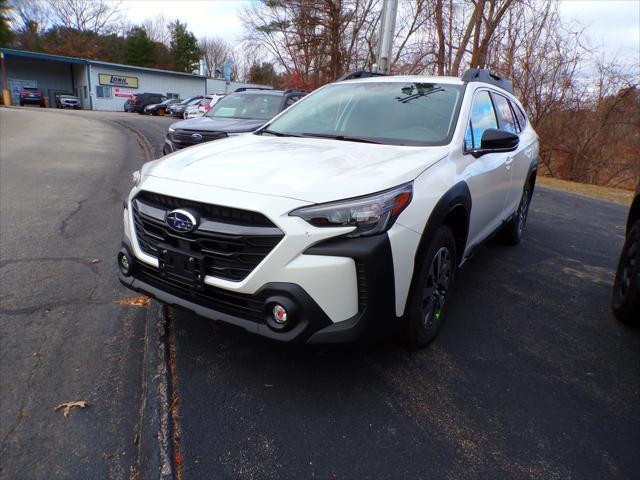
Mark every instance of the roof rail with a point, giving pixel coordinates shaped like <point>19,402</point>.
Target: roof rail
<point>244,89</point>
<point>297,90</point>
<point>485,76</point>
<point>359,74</point>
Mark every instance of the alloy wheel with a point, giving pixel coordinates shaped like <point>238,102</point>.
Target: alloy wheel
<point>628,267</point>
<point>436,288</point>
<point>523,211</point>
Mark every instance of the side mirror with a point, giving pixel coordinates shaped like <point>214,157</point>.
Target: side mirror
<point>494,140</point>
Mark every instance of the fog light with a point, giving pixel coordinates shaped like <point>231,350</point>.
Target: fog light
<point>279,314</point>
<point>125,263</point>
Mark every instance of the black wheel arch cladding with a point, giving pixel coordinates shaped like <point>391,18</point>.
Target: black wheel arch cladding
<point>454,210</point>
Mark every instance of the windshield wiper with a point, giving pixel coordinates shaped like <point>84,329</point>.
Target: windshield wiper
<point>344,138</point>
<point>278,134</point>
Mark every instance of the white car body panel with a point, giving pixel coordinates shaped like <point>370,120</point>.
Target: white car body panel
<point>311,169</point>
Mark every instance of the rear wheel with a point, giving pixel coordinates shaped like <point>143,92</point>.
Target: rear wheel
<point>626,289</point>
<point>514,229</point>
<point>433,282</point>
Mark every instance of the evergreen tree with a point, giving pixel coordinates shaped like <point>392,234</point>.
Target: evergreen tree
<point>6,35</point>
<point>139,49</point>
<point>185,53</point>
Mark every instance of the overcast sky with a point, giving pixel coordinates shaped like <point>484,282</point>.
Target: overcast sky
<point>613,24</point>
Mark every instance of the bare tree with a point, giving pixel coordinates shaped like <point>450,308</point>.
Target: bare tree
<point>215,52</point>
<point>158,29</point>
<point>98,16</point>
<point>314,41</point>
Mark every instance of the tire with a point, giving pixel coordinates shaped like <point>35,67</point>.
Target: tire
<point>433,282</point>
<point>626,286</point>
<point>513,231</point>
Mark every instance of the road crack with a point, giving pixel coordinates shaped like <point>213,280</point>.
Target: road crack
<point>67,219</point>
<point>25,396</point>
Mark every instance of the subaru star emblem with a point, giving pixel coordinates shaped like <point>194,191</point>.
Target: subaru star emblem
<point>196,137</point>
<point>181,221</point>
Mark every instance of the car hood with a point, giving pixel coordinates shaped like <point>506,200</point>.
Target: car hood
<point>220,124</point>
<point>310,169</point>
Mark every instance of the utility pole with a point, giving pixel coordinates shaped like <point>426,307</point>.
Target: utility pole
<point>385,35</point>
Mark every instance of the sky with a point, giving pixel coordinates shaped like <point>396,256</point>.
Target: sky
<point>612,24</point>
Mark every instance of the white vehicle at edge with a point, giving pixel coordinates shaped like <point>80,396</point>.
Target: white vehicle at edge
<point>352,209</point>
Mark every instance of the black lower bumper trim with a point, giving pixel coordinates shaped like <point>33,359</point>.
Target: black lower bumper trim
<point>376,288</point>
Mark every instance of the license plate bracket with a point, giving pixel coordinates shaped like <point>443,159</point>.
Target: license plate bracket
<point>184,267</point>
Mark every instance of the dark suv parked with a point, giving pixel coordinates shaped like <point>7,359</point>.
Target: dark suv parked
<point>140,100</point>
<point>31,95</point>
<point>238,112</point>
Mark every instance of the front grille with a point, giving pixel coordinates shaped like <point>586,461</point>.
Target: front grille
<point>240,305</point>
<point>183,138</point>
<point>232,242</point>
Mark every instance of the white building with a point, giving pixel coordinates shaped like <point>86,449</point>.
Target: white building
<point>99,85</point>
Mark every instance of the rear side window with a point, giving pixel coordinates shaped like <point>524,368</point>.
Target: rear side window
<point>483,117</point>
<point>291,100</point>
<point>505,115</point>
<point>522,119</point>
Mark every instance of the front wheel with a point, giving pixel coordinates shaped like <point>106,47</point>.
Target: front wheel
<point>433,282</point>
<point>626,287</point>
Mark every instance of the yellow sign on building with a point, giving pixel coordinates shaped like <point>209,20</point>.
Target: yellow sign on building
<point>117,80</point>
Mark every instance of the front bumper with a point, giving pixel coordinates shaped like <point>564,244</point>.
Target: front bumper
<point>315,286</point>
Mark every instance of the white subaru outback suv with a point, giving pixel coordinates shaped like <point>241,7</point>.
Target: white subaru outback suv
<point>352,209</point>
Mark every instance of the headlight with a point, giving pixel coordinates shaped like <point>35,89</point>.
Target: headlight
<point>370,215</point>
<point>171,130</point>
<point>139,175</point>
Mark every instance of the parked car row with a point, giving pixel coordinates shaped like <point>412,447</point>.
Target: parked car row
<point>232,114</point>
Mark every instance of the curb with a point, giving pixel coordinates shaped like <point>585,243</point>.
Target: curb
<point>154,442</point>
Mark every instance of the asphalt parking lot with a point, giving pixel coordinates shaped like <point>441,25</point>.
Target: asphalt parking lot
<point>531,376</point>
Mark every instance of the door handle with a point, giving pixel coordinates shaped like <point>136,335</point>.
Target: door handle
<point>508,162</point>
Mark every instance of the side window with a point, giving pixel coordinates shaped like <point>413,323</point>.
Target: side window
<point>291,100</point>
<point>505,115</point>
<point>482,117</point>
<point>522,119</point>
<point>103,92</point>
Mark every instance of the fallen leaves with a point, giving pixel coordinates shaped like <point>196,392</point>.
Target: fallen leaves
<point>67,406</point>
<point>141,301</point>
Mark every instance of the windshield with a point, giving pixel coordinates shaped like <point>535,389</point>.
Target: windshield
<point>247,105</point>
<point>394,113</point>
